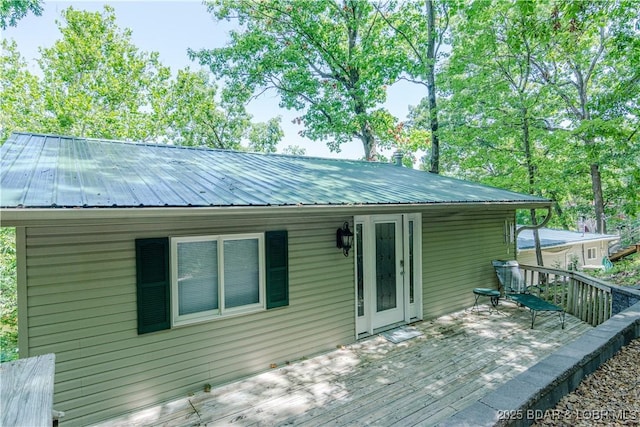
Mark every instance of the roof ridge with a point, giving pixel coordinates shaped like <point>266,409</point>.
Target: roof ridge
<point>200,148</point>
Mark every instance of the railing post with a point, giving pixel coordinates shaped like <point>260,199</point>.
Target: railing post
<point>583,302</point>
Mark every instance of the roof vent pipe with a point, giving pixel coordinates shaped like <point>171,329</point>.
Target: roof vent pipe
<point>397,158</point>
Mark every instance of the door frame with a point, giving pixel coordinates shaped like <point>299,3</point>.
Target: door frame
<point>365,224</point>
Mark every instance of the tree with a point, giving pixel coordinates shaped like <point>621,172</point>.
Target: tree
<point>423,32</point>
<point>97,83</point>
<point>506,124</point>
<point>193,117</point>
<point>197,113</point>
<point>21,108</point>
<point>504,130</point>
<point>264,137</point>
<point>579,60</point>
<point>11,11</point>
<point>294,150</point>
<point>331,61</point>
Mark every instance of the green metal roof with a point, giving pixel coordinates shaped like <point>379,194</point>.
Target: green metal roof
<point>46,171</point>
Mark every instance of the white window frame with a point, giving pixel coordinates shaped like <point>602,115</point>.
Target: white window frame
<point>595,252</point>
<point>222,311</point>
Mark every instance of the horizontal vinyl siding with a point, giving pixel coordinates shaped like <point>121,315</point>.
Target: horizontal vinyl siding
<point>457,251</point>
<point>81,306</point>
<point>529,258</point>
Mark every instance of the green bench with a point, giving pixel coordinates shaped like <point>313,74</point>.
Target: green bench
<point>516,290</point>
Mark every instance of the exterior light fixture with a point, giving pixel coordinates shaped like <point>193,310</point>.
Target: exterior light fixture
<point>344,239</point>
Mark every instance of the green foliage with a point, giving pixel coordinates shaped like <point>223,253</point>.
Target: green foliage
<point>11,11</point>
<point>97,83</point>
<point>8,296</point>
<point>330,61</point>
<point>294,150</point>
<point>579,59</point>
<point>194,117</point>
<point>422,28</point>
<point>264,137</point>
<point>21,107</point>
<point>625,272</point>
<point>528,102</point>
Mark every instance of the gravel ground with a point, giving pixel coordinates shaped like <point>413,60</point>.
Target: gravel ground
<point>608,397</point>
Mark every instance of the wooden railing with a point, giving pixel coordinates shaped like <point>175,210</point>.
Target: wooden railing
<point>582,296</point>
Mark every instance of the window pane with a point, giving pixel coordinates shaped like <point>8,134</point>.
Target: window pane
<point>411,264</point>
<point>360,269</point>
<point>241,273</point>
<point>385,266</point>
<point>197,277</point>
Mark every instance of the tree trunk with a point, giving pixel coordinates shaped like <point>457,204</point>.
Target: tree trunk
<point>598,200</point>
<point>559,211</point>
<point>536,238</point>
<point>366,134</point>
<point>368,143</point>
<point>431,87</point>
<point>531,174</point>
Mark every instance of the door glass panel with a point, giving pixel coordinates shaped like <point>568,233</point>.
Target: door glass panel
<point>385,266</point>
<point>411,278</point>
<point>360,269</point>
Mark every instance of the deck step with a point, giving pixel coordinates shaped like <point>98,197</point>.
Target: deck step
<point>625,252</point>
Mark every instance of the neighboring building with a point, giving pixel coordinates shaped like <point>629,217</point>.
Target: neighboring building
<point>565,249</point>
<point>150,270</point>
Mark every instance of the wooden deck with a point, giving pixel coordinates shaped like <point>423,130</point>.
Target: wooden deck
<point>457,359</point>
<point>26,390</point>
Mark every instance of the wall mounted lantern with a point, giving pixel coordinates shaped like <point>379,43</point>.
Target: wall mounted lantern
<point>344,239</point>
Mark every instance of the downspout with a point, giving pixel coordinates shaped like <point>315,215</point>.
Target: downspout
<point>536,237</point>
<point>536,227</point>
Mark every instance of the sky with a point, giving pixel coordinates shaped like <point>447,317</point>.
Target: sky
<point>169,28</point>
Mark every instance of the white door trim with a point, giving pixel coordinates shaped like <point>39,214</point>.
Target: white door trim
<point>364,227</point>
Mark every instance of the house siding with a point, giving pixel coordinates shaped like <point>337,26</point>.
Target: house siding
<point>456,257</point>
<point>82,307</point>
<point>561,256</point>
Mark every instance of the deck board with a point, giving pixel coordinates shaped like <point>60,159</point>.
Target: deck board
<point>26,392</point>
<point>459,358</point>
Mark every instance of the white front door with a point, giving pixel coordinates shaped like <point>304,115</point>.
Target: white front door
<point>387,286</point>
<point>386,267</point>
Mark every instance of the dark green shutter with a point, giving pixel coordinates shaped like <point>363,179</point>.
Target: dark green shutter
<point>153,284</point>
<point>277,268</point>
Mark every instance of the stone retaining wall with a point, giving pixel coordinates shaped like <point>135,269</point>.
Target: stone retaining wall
<point>621,298</point>
<point>524,398</point>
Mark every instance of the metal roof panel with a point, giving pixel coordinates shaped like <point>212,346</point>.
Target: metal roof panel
<point>58,171</point>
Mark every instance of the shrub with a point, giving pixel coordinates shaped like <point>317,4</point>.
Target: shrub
<point>8,296</point>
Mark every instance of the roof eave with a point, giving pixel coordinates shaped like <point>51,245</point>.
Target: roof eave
<point>27,216</point>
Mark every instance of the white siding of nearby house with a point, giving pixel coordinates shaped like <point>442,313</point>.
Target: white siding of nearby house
<point>562,256</point>
<point>82,305</point>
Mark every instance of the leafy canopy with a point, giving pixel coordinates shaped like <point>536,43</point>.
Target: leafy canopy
<point>11,11</point>
<point>330,60</point>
